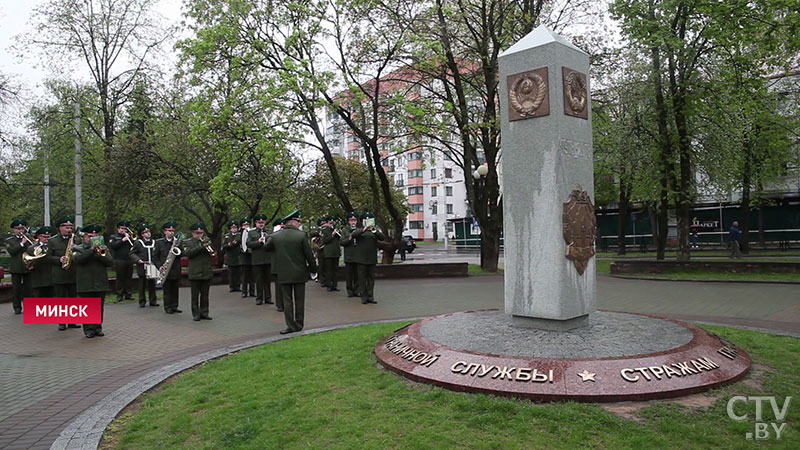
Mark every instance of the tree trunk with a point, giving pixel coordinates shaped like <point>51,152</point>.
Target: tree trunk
<point>666,172</point>
<point>622,224</point>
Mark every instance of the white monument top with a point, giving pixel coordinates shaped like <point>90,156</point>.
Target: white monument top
<point>538,37</point>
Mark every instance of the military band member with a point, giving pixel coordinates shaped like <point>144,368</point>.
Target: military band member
<point>316,247</point>
<point>261,259</point>
<point>59,255</point>
<point>16,244</point>
<point>294,260</point>
<point>172,281</point>
<point>245,257</point>
<point>41,273</point>
<point>350,258</point>
<point>366,239</point>
<point>232,246</point>
<point>91,263</point>
<point>277,226</point>
<point>198,249</point>
<point>121,243</point>
<point>142,253</point>
<point>330,253</point>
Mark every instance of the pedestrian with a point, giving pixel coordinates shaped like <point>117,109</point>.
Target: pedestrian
<point>168,254</point>
<point>143,254</point>
<point>121,244</point>
<point>59,255</point>
<point>402,248</point>
<point>92,260</point>
<point>199,251</point>
<point>350,254</point>
<point>734,235</point>
<point>17,244</point>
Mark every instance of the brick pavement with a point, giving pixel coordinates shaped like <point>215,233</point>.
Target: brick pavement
<point>48,378</point>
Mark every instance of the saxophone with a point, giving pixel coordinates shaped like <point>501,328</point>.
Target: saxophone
<point>68,253</point>
<point>174,252</point>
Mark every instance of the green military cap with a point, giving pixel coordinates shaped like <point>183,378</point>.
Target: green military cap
<point>278,222</point>
<point>43,230</point>
<point>294,215</point>
<point>123,223</point>
<point>260,217</point>
<point>142,227</point>
<point>321,219</point>
<point>66,220</point>
<point>352,214</point>
<point>244,220</point>
<point>198,226</point>
<point>18,222</point>
<point>169,224</point>
<point>367,215</point>
<point>93,228</point>
<point>232,223</point>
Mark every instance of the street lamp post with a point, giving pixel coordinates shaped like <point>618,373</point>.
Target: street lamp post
<point>480,176</point>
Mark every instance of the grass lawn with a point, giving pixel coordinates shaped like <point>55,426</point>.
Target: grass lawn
<point>475,269</point>
<point>778,255</point>
<point>326,391</point>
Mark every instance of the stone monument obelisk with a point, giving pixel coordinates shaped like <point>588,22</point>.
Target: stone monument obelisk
<point>548,183</point>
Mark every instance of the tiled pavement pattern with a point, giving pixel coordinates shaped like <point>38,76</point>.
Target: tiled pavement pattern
<point>48,378</point>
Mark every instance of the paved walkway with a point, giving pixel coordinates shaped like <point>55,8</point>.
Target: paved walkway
<point>49,377</point>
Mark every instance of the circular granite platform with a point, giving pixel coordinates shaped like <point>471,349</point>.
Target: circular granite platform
<point>616,357</point>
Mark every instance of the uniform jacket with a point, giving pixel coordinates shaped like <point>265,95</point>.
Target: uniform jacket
<point>260,255</point>
<point>199,259</point>
<point>331,243</point>
<point>367,244</point>
<point>146,251</point>
<point>16,247</point>
<point>350,246</point>
<point>119,248</point>
<point>56,247</point>
<point>294,259</point>
<point>233,249</point>
<point>41,272</point>
<point>91,269</point>
<point>162,249</point>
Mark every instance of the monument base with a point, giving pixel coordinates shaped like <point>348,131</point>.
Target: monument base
<point>539,323</point>
<point>616,357</point>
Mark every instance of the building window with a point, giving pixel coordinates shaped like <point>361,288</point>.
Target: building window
<point>448,173</point>
<point>398,181</point>
<point>434,209</point>
<point>415,190</point>
<point>385,162</point>
<point>416,224</point>
<point>417,207</point>
<point>433,173</point>
<point>448,191</point>
<point>415,156</point>
<point>414,173</point>
<point>433,191</point>
<point>449,208</point>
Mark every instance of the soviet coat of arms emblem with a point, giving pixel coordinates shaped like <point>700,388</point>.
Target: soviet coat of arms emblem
<point>580,228</point>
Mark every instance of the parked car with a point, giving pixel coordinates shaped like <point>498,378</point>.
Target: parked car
<point>410,244</point>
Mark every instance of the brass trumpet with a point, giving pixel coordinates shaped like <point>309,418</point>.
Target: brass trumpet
<point>100,250</point>
<point>39,252</point>
<point>209,248</point>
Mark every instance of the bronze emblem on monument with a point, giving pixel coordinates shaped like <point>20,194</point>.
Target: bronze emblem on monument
<point>580,228</point>
<point>575,95</point>
<point>527,95</point>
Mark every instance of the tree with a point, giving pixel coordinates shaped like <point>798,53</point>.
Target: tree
<point>113,39</point>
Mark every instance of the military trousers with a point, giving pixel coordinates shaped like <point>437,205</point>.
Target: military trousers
<point>148,285</point>
<point>321,270</point>
<point>248,284</point>
<point>200,290</point>
<point>95,327</point>
<point>366,282</point>
<point>234,277</point>
<point>263,273</point>
<point>331,269</point>
<point>171,288</point>
<point>21,288</point>
<point>294,305</point>
<point>43,291</point>
<point>124,271</point>
<point>65,290</point>
<point>351,272</point>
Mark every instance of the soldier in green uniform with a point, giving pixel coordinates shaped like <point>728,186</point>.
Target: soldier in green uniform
<point>293,262</point>
<point>277,226</point>
<point>172,282</point>
<point>142,253</point>
<point>366,239</point>
<point>59,255</point>
<point>41,273</point>
<point>197,250</point>
<point>330,253</point>
<point>261,259</point>
<point>121,243</point>
<point>232,246</point>
<point>316,247</point>
<point>245,259</point>
<point>16,244</point>
<point>350,257</point>
<point>91,263</point>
